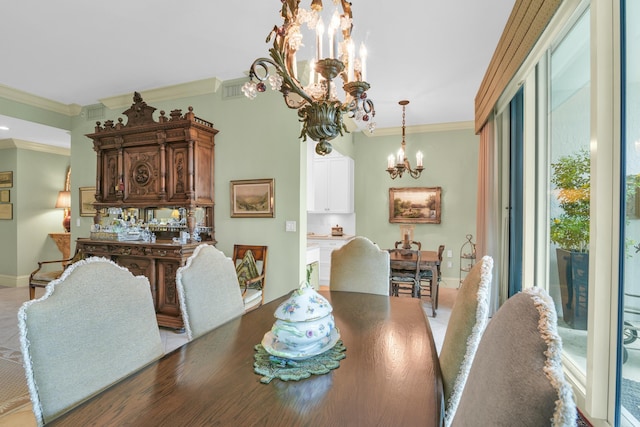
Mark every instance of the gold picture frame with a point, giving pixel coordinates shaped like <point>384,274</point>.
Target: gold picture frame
<point>6,211</point>
<point>6,179</point>
<point>415,205</point>
<point>252,198</point>
<point>5,196</point>
<point>87,197</point>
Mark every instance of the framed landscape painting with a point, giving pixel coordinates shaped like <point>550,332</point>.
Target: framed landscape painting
<point>252,198</point>
<point>87,197</point>
<point>414,205</point>
<point>6,179</point>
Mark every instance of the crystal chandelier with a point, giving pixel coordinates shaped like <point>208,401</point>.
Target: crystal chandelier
<point>401,162</point>
<point>319,108</point>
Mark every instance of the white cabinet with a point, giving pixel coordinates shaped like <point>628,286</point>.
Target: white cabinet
<point>326,247</point>
<point>332,184</point>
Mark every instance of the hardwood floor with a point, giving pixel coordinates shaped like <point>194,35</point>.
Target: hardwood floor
<point>15,406</point>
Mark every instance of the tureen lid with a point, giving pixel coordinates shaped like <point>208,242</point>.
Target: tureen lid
<point>304,304</point>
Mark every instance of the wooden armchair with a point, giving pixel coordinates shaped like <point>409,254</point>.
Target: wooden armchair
<point>251,267</point>
<point>48,271</point>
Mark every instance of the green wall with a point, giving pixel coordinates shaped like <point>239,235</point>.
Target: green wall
<point>259,139</point>
<point>38,176</point>
<point>450,161</point>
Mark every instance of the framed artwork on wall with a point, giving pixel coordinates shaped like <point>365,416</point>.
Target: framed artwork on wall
<point>252,198</point>
<point>87,197</point>
<point>414,205</point>
<point>6,179</point>
<point>6,211</point>
<point>5,196</point>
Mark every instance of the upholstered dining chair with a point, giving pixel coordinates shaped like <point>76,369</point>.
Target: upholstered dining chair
<point>251,267</point>
<point>516,377</point>
<point>95,325</point>
<point>360,266</point>
<point>468,320</point>
<point>208,291</point>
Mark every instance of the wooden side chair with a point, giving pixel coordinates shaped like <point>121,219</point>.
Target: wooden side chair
<point>516,377</point>
<point>94,326</point>
<point>428,285</point>
<point>208,291</point>
<point>468,320</point>
<point>406,279</point>
<point>48,271</point>
<point>251,268</point>
<point>360,266</point>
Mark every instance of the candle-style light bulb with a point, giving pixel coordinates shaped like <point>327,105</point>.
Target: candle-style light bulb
<point>333,37</point>
<point>390,161</point>
<point>419,158</point>
<point>312,71</point>
<point>350,59</point>
<point>363,62</point>
<point>319,34</point>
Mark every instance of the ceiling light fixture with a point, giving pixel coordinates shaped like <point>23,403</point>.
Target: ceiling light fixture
<point>401,162</point>
<point>319,108</point>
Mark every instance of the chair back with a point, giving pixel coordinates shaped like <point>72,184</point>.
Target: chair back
<point>94,325</point>
<point>405,273</point>
<point>408,245</point>
<point>360,266</point>
<point>468,320</point>
<point>440,253</point>
<point>208,291</point>
<point>517,377</point>
<point>251,268</point>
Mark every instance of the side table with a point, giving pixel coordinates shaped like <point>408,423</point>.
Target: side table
<point>63,242</point>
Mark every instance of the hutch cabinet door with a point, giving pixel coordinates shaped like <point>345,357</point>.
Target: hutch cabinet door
<point>143,174</point>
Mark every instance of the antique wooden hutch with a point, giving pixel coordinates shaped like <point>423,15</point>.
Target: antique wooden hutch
<point>146,166</point>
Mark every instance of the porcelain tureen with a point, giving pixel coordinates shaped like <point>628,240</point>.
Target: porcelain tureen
<point>304,326</point>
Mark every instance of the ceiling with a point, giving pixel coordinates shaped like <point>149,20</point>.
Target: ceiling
<point>431,52</point>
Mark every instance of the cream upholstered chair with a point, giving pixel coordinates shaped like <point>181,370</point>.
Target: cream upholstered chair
<point>360,266</point>
<point>516,377</point>
<point>208,291</point>
<point>468,320</point>
<point>94,325</point>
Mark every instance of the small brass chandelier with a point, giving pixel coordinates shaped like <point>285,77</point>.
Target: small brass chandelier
<point>319,108</point>
<point>401,162</point>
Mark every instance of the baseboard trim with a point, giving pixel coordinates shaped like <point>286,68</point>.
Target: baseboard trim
<point>14,281</point>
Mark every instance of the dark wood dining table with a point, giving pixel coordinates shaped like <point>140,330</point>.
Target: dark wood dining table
<point>390,376</point>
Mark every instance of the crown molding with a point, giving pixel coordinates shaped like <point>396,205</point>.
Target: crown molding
<point>38,101</point>
<point>195,88</point>
<point>437,127</point>
<point>9,143</point>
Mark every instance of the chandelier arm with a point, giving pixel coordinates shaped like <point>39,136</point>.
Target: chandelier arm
<point>264,64</point>
<point>290,83</point>
<point>291,103</point>
<point>367,106</point>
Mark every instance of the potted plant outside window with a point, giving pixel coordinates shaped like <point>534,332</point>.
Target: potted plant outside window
<point>570,176</point>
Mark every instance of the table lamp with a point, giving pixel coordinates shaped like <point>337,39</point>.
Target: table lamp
<point>64,201</point>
